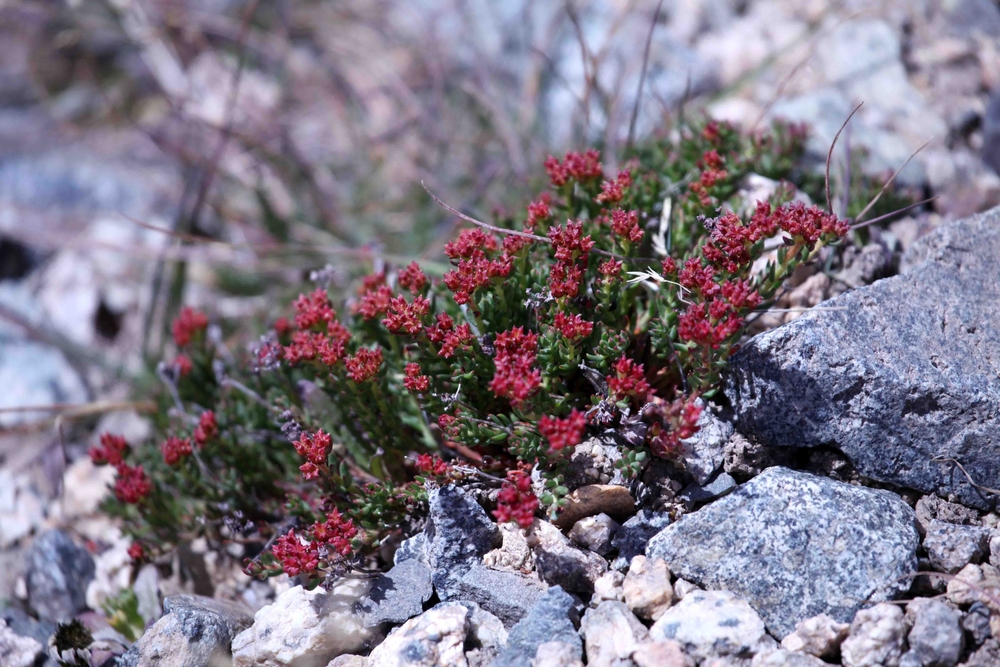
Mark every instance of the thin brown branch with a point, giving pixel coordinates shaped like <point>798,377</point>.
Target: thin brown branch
<point>829,157</point>
<point>896,212</point>
<point>642,75</point>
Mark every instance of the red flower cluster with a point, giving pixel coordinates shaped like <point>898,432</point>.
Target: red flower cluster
<point>375,297</point>
<point>573,327</point>
<point>207,428</point>
<point>626,224</point>
<point>136,551</point>
<point>414,381</point>
<point>364,365</point>
<point>572,249</point>
<point>314,449</point>
<point>429,464</point>
<point>295,556</point>
<point>612,268</point>
<point>311,345</point>
<point>668,266</point>
<point>613,192</point>
<point>183,364</point>
<point>516,501</point>
<point>336,533</point>
<point>579,166</point>
<point>450,337</point>
<point>314,309</point>
<point>675,422</point>
<point>565,432</point>
<point>718,316</point>
<point>712,172</point>
<point>476,267</point>
<point>810,224</point>
<point>132,484</point>
<point>628,380</point>
<point>406,317</point>
<point>111,450</point>
<point>538,211</point>
<point>189,322</point>
<point>412,278</point>
<point>516,378</point>
<point>175,449</point>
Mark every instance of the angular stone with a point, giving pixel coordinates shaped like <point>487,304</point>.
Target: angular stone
<point>594,533</point>
<point>58,573</point>
<point>705,451</point>
<point>967,585</point>
<point>647,588</point>
<point>556,654</point>
<point>412,548</point>
<point>398,595</point>
<point>553,618</point>
<point>608,587</point>
<point>632,537</point>
<point>663,653</point>
<point>194,630</point>
<point>819,636</point>
<point>433,639</point>
<point>558,562</point>
<point>899,375</point>
<point>930,508</point>
<point>875,638</point>
<point>507,595</point>
<point>936,637</point>
<point>795,545</point>
<point>976,624</point>
<point>611,633</point>
<point>486,632</point>
<point>514,554</point>
<point>15,650</point>
<point>458,535</point>
<point>713,623</point>
<point>951,547</point>
<point>307,627</point>
<point>717,487</point>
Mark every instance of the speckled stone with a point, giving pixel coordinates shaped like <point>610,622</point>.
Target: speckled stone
<point>795,545</point>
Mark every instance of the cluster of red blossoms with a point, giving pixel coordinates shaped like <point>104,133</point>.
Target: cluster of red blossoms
<point>572,248</point>
<point>712,173</point>
<point>626,224</point>
<point>715,317</point>
<point>628,380</point>
<point>314,449</point>
<point>579,166</point>
<point>428,464</point>
<point>573,327</point>
<point>538,211</point>
<point>364,365</point>
<point>412,278</point>
<point>447,335</point>
<point>672,423</point>
<point>175,449</point>
<point>321,336</point>
<point>406,317</point>
<point>414,380</point>
<point>207,428</point>
<point>375,296</point>
<point>189,322</point>
<point>516,501</point>
<point>132,484</point>
<point>562,433</point>
<point>478,265</point>
<point>516,376</point>
<point>328,538</point>
<point>613,192</point>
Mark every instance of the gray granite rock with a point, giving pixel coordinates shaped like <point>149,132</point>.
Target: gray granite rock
<point>506,595</point>
<point>611,633</point>
<point>558,562</point>
<point>194,631</point>
<point>705,451</point>
<point>929,508</point>
<point>951,547</point>
<point>876,637</point>
<point>795,545</point>
<point>398,595</point>
<point>553,618</point>
<point>487,633</point>
<point>899,375</point>
<point>594,533</point>
<point>412,548</point>
<point>632,537</point>
<point>718,486</point>
<point>458,535</point>
<point>936,637</point>
<point>713,623</point>
<point>436,638</point>
<point>58,573</point>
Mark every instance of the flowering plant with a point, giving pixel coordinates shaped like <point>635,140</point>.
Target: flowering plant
<point>612,302</point>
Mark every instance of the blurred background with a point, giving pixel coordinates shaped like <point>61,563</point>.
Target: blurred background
<point>213,152</point>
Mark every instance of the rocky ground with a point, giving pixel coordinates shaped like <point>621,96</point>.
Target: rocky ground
<point>860,450</point>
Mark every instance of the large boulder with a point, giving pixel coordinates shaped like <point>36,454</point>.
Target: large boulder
<point>902,376</point>
<point>795,545</point>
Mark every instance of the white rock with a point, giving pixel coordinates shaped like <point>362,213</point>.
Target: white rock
<point>664,653</point>
<point>713,623</point>
<point>780,657</point>
<point>875,638</point>
<point>819,636</point>
<point>433,639</point>
<point>608,587</point>
<point>594,533</point>
<point>112,571</point>
<point>84,486</point>
<point>514,554</point>
<point>556,654</point>
<point>21,509</point>
<point>610,634</point>
<point>682,587</point>
<point>303,626</point>
<point>964,588</point>
<point>647,588</point>
<point>15,650</point>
